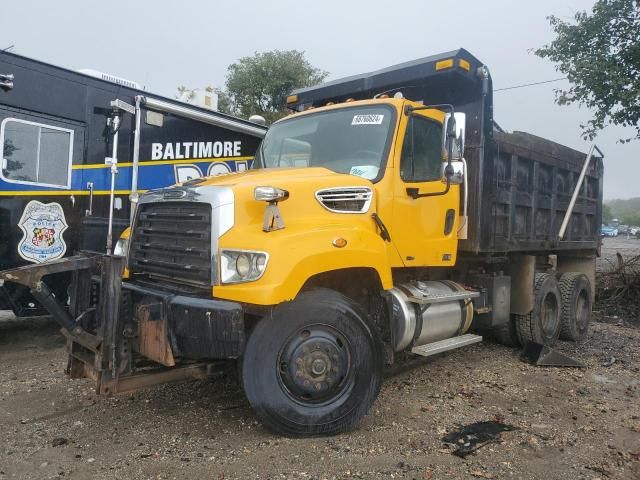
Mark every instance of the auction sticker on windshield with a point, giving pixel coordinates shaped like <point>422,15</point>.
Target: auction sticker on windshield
<point>370,119</point>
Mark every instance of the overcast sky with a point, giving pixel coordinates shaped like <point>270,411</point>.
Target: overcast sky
<point>163,44</point>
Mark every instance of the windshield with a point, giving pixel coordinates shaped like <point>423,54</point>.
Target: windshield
<point>350,140</point>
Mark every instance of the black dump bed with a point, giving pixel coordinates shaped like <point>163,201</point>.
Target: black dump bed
<point>520,185</point>
<point>520,192</point>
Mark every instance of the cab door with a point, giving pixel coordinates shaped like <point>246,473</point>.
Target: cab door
<point>425,213</point>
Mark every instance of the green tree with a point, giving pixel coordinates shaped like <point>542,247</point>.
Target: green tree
<point>600,55</point>
<point>260,84</point>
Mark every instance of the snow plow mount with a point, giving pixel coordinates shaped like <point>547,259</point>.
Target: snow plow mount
<point>100,338</point>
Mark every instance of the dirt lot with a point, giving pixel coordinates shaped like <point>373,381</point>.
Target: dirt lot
<point>571,423</point>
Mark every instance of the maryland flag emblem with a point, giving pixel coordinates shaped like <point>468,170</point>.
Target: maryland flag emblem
<point>43,237</point>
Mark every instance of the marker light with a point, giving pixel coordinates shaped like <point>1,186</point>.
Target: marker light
<point>444,64</point>
<point>339,242</point>
<point>270,194</point>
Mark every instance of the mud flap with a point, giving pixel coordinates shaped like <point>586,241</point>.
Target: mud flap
<point>543,356</point>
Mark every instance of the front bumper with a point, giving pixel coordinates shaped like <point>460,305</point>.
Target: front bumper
<point>192,327</point>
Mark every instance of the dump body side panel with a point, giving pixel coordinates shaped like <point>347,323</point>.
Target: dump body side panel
<point>528,184</point>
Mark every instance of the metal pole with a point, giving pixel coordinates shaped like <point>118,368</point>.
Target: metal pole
<point>576,191</point>
<point>115,123</point>
<point>133,197</point>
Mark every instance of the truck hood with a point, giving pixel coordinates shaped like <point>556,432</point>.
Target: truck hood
<point>305,186</point>
<point>274,177</point>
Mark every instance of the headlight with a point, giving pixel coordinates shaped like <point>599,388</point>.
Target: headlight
<point>242,265</point>
<point>122,245</point>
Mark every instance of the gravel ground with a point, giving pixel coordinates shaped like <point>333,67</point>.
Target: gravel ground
<point>571,423</point>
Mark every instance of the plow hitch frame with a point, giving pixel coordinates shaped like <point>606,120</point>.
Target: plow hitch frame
<point>100,330</point>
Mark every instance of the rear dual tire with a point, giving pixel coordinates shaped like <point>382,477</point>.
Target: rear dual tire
<point>562,309</point>
<point>507,334</point>
<point>577,301</point>
<point>542,324</point>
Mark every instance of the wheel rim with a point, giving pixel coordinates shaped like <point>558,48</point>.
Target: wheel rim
<point>583,310</point>
<point>314,365</point>
<point>550,315</point>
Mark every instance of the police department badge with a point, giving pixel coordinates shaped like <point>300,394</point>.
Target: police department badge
<point>42,226</point>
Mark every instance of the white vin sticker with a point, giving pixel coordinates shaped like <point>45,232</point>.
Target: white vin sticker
<point>367,119</point>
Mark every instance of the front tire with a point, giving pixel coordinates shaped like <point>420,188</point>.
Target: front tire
<point>314,367</point>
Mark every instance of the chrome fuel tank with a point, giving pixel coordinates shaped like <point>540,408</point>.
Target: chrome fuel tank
<point>426,312</point>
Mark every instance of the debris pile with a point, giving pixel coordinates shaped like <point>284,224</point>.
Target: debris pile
<point>618,288</point>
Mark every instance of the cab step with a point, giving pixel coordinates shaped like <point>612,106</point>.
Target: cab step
<point>448,344</point>
<point>440,297</point>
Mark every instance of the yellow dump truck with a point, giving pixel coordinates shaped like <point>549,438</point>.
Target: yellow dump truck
<point>388,214</point>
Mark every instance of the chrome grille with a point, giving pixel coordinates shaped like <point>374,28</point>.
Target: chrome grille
<point>345,199</point>
<point>173,240</point>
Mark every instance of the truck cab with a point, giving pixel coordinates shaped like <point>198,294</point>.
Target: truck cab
<point>336,181</point>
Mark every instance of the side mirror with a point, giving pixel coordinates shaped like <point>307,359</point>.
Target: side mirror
<point>455,173</point>
<point>454,131</point>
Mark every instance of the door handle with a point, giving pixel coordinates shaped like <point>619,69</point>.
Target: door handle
<point>415,192</point>
<point>6,81</point>
<point>88,212</point>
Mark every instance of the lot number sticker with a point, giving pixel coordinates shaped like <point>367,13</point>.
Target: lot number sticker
<point>367,119</point>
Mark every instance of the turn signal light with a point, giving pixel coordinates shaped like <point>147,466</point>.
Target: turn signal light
<point>339,242</point>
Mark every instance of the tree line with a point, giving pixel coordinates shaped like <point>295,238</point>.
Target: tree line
<point>627,211</point>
